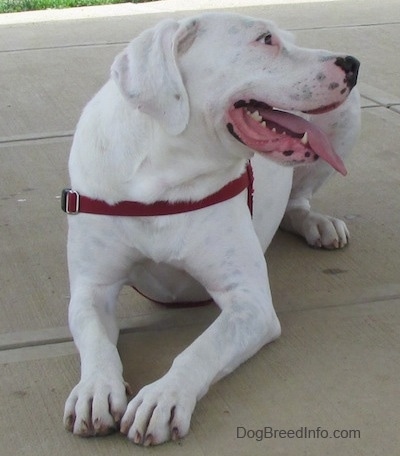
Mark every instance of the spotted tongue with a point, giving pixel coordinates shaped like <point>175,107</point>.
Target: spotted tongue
<point>317,139</point>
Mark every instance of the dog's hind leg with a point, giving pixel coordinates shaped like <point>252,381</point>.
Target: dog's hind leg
<point>342,127</point>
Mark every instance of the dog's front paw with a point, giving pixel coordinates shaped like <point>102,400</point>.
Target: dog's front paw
<point>320,231</point>
<point>96,406</point>
<point>161,411</point>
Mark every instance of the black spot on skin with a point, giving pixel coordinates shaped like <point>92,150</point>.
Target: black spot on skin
<point>288,153</point>
<point>326,58</point>
<point>240,104</point>
<point>307,93</point>
<point>343,91</point>
<point>333,86</point>
<point>320,77</point>
<point>307,154</point>
<point>233,133</point>
<point>316,157</point>
<point>259,104</point>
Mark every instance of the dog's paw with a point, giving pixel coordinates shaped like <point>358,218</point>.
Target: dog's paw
<point>160,412</point>
<point>320,231</point>
<point>96,406</point>
<point>323,231</point>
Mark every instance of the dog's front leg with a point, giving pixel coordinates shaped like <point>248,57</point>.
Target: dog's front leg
<point>96,404</point>
<point>342,127</point>
<point>235,275</point>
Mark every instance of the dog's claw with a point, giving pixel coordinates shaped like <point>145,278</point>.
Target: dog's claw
<point>69,423</point>
<point>148,440</point>
<point>124,429</point>
<point>137,438</point>
<point>317,244</point>
<point>117,416</point>
<point>128,389</point>
<point>175,434</point>
<point>86,429</point>
<point>101,428</point>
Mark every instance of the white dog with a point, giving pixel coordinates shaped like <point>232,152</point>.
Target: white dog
<point>188,105</point>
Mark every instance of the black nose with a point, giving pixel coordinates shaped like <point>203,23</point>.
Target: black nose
<point>350,66</point>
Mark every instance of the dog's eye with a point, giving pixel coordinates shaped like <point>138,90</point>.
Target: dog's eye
<point>265,38</point>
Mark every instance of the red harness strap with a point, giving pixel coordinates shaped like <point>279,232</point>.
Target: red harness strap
<point>74,203</point>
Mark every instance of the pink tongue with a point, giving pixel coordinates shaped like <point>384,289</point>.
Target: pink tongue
<point>318,140</point>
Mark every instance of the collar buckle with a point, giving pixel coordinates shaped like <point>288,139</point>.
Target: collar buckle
<point>70,201</point>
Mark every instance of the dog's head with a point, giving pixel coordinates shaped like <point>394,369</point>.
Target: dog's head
<point>238,78</point>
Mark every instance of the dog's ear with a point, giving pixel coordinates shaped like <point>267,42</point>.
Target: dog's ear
<point>148,74</point>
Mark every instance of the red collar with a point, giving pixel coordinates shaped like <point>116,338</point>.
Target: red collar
<point>73,203</point>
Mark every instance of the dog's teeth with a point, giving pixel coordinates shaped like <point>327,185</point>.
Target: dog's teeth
<point>284,133</point>
<point>264,124</point>
<point>304,139</point>
<point>274,130</point>
<point>256,116</point>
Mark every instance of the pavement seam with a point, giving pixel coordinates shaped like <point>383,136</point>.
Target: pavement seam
<point>63,47</point>
<point>335,27</point>
<point>29,138</point>
<point>162,320</point>
<point>125,42</point>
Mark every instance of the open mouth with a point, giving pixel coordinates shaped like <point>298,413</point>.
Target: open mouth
<point>282,136</point>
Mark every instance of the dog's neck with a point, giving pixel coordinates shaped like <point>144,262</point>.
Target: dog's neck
<point>148,166</point>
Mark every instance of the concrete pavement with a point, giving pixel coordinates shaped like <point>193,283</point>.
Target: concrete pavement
<point>336,366</point>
